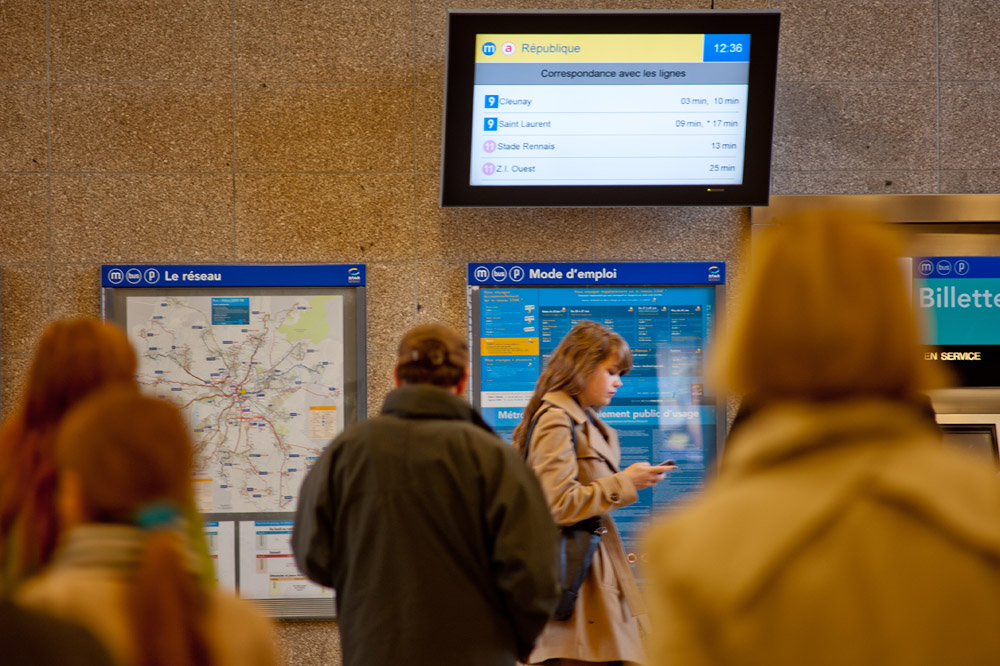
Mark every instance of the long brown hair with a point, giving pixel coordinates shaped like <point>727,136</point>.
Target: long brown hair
<point>72,359</point>
<point>132,457</point>
<point>574,360</point>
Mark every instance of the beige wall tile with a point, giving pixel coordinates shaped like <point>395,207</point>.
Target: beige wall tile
<point>24,218</point>
<point>142,40</point>
<point>428,110</point>
<point>323,41</point>
<point>857,40</point>
<point>391,298</point>
<point>23,127</point>
<point>13,373</point>
<point>441,289</point>
<point>293,127</point>
<point>324,218</point>
<point>141,127</point>
<point>499,234</point>
<point>24,306</point>
<point>380,379</point>
<point>679,233</point>
<point>854,182</point>
<point>970,124</point>
<point>22,40</point>
<point>971,182</point>
<point>855,127</point>
<point>967,44</point>
<point>107,218</point>
<point>742,4</point>
<point>76,291</point>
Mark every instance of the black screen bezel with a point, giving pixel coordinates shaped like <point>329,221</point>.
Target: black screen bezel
<point>464,25</point>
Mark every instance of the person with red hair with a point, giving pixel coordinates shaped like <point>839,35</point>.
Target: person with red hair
<point>72,359</point>
<point>126,568</point>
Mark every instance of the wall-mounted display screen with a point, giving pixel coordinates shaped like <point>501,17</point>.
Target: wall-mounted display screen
<point>267,364</point>
<point>959,301</point>
<point>666,312</point>
<point>608,108</point>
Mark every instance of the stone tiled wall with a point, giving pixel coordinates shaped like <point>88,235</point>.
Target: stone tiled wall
<point>231,131</point>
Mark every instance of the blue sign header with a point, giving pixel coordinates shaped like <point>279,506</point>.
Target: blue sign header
<point>234,275</point>
<point>956,267</point>
<point>612,273</point>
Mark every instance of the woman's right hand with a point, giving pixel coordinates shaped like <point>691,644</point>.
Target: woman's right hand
<point>644,475</point>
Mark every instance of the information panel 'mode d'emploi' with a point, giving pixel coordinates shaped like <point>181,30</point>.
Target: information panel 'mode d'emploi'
<point>667,312</point>
<point>609,109</point>
<point>267,365</point>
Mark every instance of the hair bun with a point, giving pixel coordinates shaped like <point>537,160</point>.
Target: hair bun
<point>431,352</point>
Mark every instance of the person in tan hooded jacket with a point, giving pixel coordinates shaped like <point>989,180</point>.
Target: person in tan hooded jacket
<point>581,377</point>
<point>839,528</point>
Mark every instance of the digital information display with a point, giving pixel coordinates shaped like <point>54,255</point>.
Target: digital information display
<point>267,365</point>
<point>959,300</point>
<point>609,109</point>
<point>667,312</point>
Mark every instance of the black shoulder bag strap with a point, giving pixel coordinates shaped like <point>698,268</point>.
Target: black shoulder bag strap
<point>577,543</point>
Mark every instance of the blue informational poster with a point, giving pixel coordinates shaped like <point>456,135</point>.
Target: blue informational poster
<point>666,312</point>
<point>959,301</point>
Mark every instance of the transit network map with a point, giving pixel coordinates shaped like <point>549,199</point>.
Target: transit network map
<point>260,380</point>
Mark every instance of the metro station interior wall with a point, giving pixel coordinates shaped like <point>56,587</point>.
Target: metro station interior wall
<point>259,131</point>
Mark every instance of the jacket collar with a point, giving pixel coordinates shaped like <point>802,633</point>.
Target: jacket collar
<point>565,402</point>
<point>426,401</point>
<point>112,546</point>
<point>601,438</point>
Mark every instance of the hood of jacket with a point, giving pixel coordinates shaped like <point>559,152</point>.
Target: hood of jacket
<point>794,469</point>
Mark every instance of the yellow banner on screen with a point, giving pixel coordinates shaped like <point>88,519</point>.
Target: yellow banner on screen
<point>508,346</point>
<point>501,48</point>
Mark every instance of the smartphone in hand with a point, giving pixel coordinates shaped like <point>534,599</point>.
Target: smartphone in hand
<point>668,462</point>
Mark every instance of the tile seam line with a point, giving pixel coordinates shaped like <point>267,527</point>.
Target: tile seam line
<point>50,204</point>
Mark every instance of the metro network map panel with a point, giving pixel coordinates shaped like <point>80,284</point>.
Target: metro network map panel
<point>264,363</point>
<point>666,312</point>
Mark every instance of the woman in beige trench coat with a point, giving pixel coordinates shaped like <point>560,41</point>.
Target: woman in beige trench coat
<point>581,377</point>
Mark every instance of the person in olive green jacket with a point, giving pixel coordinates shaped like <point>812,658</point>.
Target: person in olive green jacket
<point>839,529</point>
<point>432,531</point>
